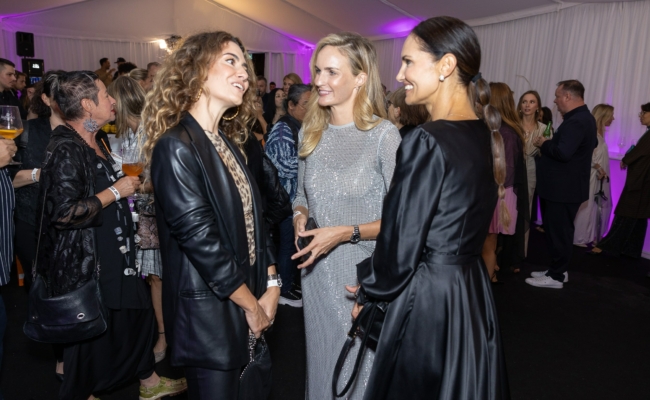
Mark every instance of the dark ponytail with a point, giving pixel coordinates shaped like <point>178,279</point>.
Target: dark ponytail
<point>441,35</point>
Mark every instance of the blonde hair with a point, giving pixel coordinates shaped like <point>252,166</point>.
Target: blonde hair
<point>180,82</point>
<point>369,101</point>
<point>129,101</point>
<point>139,74</point>
<point>293,76</point>
<point>602,113</point>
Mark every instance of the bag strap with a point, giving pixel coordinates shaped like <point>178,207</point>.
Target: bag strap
<point>372,309</point>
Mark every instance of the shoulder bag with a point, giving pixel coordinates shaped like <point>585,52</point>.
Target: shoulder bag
<point>255,379</point>
<point>70,317</point>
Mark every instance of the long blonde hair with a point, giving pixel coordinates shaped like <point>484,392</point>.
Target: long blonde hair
<point>180,82</point>
<point>602,113</point>
<point>370,97</point>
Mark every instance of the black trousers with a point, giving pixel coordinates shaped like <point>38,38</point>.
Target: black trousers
<point>559,229</point>
<point>25,247</point>
<point>209,384</point>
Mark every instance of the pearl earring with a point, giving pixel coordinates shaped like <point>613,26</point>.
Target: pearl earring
<point>442,78</point>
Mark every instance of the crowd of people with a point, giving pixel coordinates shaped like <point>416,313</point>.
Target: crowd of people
<point>217,200</point>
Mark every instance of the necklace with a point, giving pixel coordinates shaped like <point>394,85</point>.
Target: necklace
<point>459,115</point>
<point>78,135</point>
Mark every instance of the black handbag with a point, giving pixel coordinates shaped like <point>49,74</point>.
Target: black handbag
<point>71,317</point>
<point>255,379</point>
<point>367,326</point>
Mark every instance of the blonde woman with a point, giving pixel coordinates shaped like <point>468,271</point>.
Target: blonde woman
<point>588,228</point>
<point>214,251</point>
<point>529,109</point>
<point>143,78</point>
<point>290,79</point>
<point>346,162</point>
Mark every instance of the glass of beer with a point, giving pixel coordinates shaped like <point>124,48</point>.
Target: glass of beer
<point>11,126</point>
<point>132,159</point>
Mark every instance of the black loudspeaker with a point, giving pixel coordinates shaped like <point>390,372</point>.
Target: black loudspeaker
<point>258,63</point>
<point>25,44</point>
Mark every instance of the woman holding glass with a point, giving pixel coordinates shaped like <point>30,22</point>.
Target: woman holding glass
<point>85,208</point>
<point>129,101</point>
<point>346,161</point>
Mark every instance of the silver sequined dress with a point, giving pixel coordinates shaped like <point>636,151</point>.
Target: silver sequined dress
<point>343,182</point>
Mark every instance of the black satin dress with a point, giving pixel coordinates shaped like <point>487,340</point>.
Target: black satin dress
<point>440,339</point>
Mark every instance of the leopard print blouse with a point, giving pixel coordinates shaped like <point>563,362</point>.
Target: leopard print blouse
<point>242,186</point>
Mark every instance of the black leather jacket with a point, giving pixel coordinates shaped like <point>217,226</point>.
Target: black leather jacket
<point>204,249</point>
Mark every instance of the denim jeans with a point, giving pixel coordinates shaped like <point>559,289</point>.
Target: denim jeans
<point>286,266</point>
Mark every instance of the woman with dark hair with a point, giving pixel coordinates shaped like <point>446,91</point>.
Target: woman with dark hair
<point>627,234</point>
<point>404,116</point>
<point>220,279</point>
<point>275,109</point>
<point>282,150</point>
<point>440,338</point>
<point>512,236</point>
<point>85,211</point>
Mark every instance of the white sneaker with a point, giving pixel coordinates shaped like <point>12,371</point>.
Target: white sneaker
<point>545,281</point>
<point>539,274</point>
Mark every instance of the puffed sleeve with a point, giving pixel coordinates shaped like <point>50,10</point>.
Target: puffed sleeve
<point>181,196</point>
<point>409,208</point>
<point>67,189</point>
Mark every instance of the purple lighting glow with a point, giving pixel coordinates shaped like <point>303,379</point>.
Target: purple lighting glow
<point>400,25</point>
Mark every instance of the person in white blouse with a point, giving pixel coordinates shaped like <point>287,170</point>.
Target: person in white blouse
<point>592,219</point>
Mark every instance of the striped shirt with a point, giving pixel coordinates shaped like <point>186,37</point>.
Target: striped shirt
<point>7,203</point>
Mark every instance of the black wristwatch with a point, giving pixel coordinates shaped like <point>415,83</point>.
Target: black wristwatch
<point>356,236</point>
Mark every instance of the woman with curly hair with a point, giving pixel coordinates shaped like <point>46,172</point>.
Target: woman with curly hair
<point>216,257</point>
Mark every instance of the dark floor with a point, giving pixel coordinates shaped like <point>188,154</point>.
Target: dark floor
<point>590,340</point>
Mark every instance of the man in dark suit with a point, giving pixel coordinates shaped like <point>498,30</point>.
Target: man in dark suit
<point>563,179</point>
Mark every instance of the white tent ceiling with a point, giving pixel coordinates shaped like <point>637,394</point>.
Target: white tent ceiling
<point>309,20</point>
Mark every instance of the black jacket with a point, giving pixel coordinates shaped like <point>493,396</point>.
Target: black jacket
<point>204,249</point>
<point>565,165</point>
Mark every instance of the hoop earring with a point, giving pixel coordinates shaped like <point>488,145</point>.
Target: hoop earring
<point>442,78</point>
<point>198,96</point>
<point>233,117</point>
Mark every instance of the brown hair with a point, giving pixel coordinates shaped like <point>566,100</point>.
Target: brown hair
<point>573,86</point>
<point>503,101</point>
<point>179,82</point>
<point>539,101</point>
<point>412,115</point>
<point>362,56</point>
<point>447,35</point>
<point>129,101</point>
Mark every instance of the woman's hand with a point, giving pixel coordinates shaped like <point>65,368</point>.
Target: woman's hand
<point>8,149</point>
<point>299,223</point>
<point>539,141</point>
<point>257,320</point>
<point>601,174</point>
<point>269,302</point>
<point>324,240</point>
<point>127,185</point>
<point>623,166</point>
<point>357,307</point>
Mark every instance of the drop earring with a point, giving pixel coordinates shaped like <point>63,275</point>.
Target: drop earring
<point>91,125</point>
<point>442,78</point>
